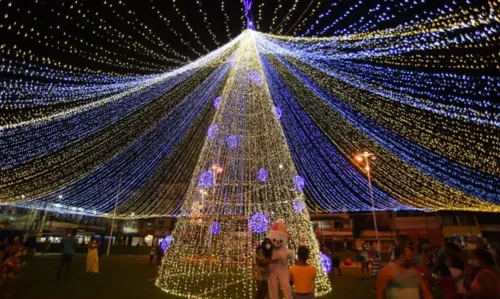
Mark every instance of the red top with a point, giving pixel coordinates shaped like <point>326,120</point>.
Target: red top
<point>449,287</point>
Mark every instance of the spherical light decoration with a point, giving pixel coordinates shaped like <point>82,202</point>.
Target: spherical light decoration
<point>258,223</point>
<point>216,102</point>
<point>298,206</point>
<point>326,262</point>
<point>262,175</point>
<point>165,242</point>
<point>215,228</point>
<point>256,77</point>
<point>299,183</point>
<point>212,131</point>
<point>232,141</point>
<point>206,179</point>
<point>232,59</point>
<point>277,112</point>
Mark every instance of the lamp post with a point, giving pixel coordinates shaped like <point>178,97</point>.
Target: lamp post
<point>366,157</point>
<point>114,216</point>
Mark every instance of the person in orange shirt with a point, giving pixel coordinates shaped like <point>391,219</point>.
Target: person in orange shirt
<point>302,276</point>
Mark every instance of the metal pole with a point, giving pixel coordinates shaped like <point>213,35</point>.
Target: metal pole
<point>43,220</point>
<point>114,216</point>
<point>373,206</point>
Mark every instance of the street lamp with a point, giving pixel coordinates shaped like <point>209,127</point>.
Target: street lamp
<point>366,157</point>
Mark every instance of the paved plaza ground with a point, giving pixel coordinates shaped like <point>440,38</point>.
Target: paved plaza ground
<point>131,277</point>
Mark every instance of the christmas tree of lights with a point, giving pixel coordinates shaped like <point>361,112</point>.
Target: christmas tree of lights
<point>244,180</point>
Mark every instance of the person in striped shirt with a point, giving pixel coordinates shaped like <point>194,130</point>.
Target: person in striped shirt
<point>376,265</point>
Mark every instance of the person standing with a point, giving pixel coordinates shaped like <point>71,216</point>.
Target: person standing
<point>159,255</point>
<point>93,257</point>
<point>46,246</point>
<point>376,265</point>
<point>445,283</point>
<point>457,267</point>
<point>486,282</point>
<point>391,251</point>
<point>336,264</point>
<point>365,259</point>
<point>69,243</point>
<point>262,255</point>
<point>400,280</point>
<point>152,254</point>
<point>302,276</point>
<point>12,266</point>
<point>103,246</point>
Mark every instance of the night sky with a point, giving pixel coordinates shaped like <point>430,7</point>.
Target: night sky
<point>58,21</point>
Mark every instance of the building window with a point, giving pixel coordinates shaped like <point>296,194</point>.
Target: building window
<point>325,225</point>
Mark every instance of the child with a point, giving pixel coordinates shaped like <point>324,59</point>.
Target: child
<point>376,265</point>
<point>336,264</point>
<point>152,253</point>
<point>364,258</point>
<point>302,275</point>
<point>262,255</point>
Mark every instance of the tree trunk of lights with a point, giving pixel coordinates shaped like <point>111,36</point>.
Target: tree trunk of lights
<point>210,254</point>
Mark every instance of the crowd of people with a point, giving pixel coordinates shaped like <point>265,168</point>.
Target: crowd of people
<point>450,271</point>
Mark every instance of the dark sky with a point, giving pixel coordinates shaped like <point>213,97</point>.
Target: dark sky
<point>57,19</point>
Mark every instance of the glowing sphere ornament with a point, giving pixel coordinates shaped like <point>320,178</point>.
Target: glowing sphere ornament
<point>212,131</point>
<point>215,228</point>
<point>299,183</point>
<point>258,223</point>
<point>206,179</point>
<point>326,262</point>
<point>298,206</point>
<point>232,141</point>
<point>232,59</point>
<point>262,175</point>
<point>277,112</point>
<point>165,242</point>
<point>256,78</point>
<point>216,102</point>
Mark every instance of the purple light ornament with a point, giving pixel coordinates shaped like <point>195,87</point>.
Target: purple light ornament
<point>326,262</point>
<point>206,179</point>
<point>216,102</point>
<point>299,183</point>
<point>262,175</point>
<point>277,112</point>
<point>232,141</point>
<point>165,242</point>
<point>215,228</point>
<point>212,130</point>
<point>298,206</point>
<point>256,77</point>
<point>258,223</point>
